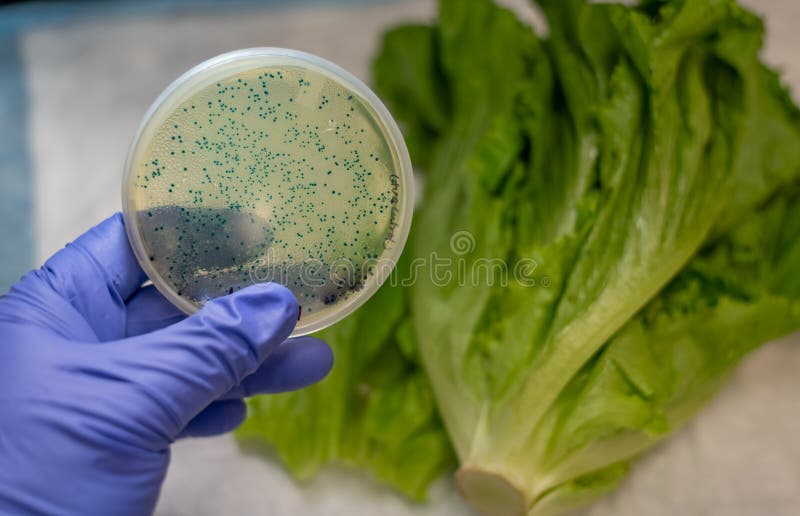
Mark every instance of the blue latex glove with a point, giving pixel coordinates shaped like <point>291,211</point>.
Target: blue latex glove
<point>99,376</point>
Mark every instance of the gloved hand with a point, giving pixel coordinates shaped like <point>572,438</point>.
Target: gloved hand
<point>99,376</point>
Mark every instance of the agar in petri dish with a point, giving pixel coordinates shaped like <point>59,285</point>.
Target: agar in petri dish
<point>269,165</point>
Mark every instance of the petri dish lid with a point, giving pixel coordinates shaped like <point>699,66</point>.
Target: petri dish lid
<point>269,164</point>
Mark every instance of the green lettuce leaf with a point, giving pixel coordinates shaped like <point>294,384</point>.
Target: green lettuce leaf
<point>407,71</point>
<point>661,367</point>
<point>374,412</point>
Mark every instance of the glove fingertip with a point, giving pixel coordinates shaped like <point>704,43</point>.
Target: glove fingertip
<point>218,418</point>
<point>265,314</point>
<point>319,354</point>
<point>297,363</point>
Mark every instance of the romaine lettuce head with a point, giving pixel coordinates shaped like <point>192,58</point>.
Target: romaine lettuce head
<point>621,161</point>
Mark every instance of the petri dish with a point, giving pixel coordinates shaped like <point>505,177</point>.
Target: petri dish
<point>269,164</point>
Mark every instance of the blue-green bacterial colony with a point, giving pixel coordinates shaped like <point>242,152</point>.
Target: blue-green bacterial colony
<point>272,174</point>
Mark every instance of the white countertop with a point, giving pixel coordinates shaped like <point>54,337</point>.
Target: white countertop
<point>90,83</point>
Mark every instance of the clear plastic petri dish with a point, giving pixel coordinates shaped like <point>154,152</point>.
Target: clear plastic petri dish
<point>269,164</point>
